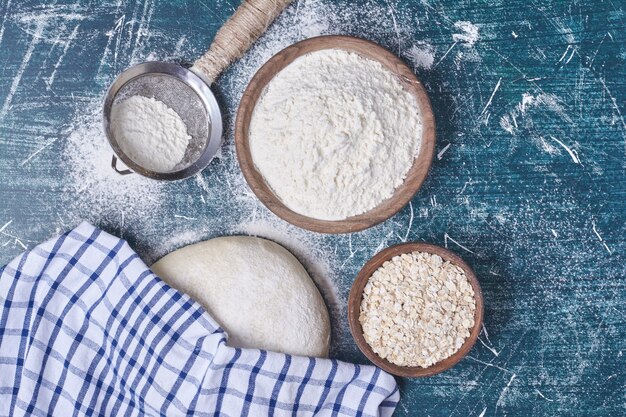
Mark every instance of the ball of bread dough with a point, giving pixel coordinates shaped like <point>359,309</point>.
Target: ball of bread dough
<point>256,290</point>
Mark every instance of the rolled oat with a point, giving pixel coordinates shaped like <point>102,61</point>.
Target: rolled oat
<point>417,309</point>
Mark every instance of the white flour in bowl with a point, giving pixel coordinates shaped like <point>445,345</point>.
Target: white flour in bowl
<point>149,132</point>
<point>334,134</point>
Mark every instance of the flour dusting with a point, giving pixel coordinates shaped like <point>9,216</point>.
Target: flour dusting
<point>422,55</point>
<point>468,33</point>
<point>96,188</point>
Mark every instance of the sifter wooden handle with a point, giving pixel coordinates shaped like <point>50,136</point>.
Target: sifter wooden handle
<point>233,39</point>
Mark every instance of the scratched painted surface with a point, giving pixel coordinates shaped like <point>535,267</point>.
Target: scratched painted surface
<point>529,183</point>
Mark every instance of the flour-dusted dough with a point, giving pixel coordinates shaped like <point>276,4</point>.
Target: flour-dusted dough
<point>256,290</point>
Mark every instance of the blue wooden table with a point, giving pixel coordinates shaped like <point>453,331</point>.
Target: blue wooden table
<point>528,184</point>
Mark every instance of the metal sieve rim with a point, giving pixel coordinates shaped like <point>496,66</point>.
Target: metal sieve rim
<point>204,93</point>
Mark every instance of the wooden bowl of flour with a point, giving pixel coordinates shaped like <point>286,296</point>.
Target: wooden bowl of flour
<point>402,194</point>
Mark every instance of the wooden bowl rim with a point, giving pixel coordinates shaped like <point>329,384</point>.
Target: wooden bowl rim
<point>402,195</point>
<point>356,295</point>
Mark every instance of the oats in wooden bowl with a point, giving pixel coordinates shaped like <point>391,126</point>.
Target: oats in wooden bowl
<point>415,309</point>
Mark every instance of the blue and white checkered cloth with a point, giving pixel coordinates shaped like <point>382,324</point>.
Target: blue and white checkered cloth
<point>87,329</point>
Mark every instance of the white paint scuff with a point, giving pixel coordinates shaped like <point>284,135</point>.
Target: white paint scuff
<point>441,152</point>
<point>542,396</point>
<point>68,43</point>
<point>447,237</point>
<point>20,72</point>
<point>503,393</point>
<point>573,154</point>
<point>491,97</point>
<point>446,54</point>
<point>593,226</point>
<point>6,225</point>
<point>491,349</point>
<point>36,152</point>
<point>7,8</point>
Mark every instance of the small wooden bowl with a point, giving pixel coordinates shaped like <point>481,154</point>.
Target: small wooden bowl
<point>356,295</point>
<point>402,194</point>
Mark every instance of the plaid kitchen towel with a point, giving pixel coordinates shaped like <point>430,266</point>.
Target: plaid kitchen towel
<point>87,329</point>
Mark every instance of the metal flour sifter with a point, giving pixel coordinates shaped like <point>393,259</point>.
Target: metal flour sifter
<point>187,91</point>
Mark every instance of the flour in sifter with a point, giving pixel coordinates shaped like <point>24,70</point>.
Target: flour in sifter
<point>334,134</point>
<point>149,132</point>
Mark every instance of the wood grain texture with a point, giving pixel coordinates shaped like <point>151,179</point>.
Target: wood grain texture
<point>356,297</point>
<point>401,196</point>
<point>544,234</point>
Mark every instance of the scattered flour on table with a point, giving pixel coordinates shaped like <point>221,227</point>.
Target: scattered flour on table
<point>422,55</point>
<point>334,134</point>
<point>149,132</point>
<point>468,35</point>
<point>99,194</point>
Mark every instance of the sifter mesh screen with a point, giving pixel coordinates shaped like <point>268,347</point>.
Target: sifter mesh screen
<point>179,97</point>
